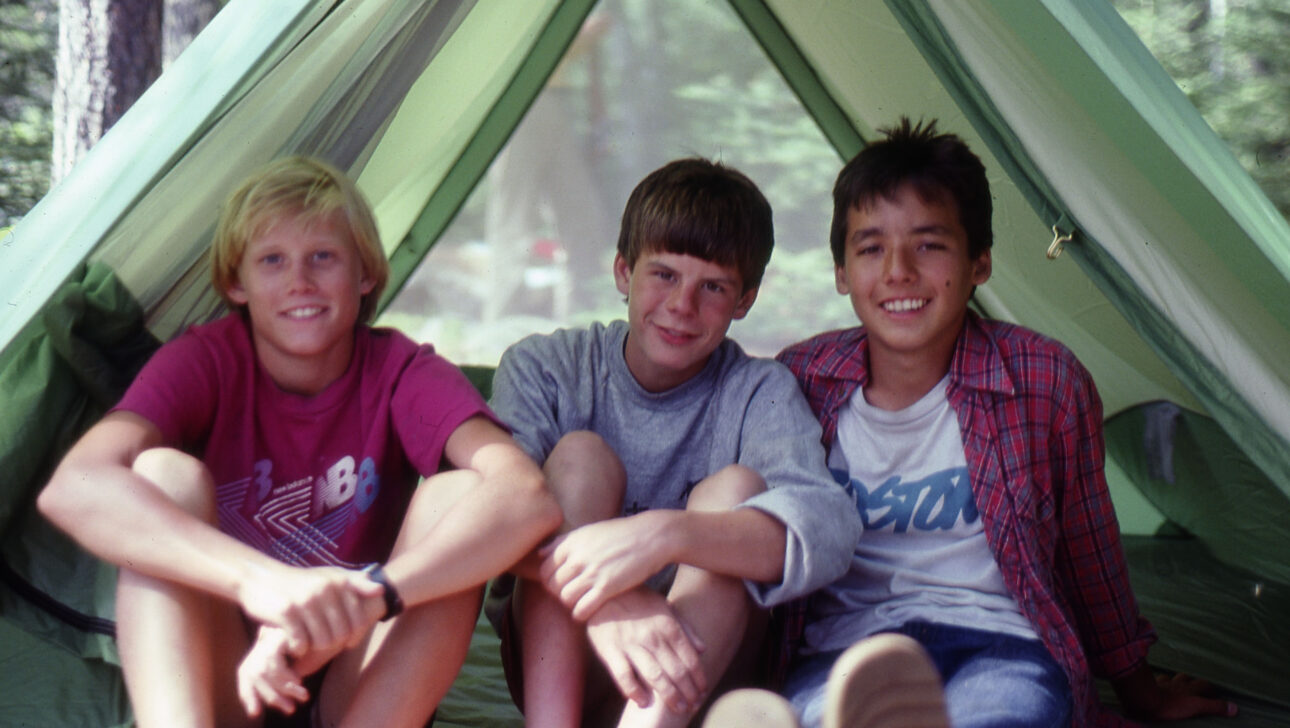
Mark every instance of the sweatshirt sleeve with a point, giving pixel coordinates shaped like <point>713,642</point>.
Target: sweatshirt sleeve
<point>781,441</point>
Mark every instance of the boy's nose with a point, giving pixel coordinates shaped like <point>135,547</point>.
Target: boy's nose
<point>898,265</point>
<point>682,299</point>
<point>301,279</point>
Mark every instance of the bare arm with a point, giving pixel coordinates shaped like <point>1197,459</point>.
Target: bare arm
<point>97,498</point>
<point>600,560</point>
<point>463,549</point>
<point>165,531</point>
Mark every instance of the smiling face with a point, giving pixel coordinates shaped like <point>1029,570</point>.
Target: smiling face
<point>302,283</point>
<point>679,308</point>
<point>909,276</point>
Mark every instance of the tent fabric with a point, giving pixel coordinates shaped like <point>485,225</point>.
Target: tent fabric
<point>1174,287</point>
<point>1223,623</point>
<point>1202,482</point>
<point>1210,286</point>
<point>70,365</point>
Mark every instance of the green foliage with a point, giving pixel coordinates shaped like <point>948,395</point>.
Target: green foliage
<point>732,104</point>
<point>1230,59</point>
<point>28,33</point>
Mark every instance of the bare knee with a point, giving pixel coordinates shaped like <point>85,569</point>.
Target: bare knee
<point>725,489</point>
<point>182,478</point>
<point>586,477</point>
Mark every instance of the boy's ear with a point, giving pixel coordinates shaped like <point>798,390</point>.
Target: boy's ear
<point>745,303</point>
<point>981,268</point>
<point>840,280</point>
<point>622,274</point>
<point>236,293</point>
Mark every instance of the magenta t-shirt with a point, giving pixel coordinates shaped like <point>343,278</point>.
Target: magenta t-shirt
<point>321,480</point>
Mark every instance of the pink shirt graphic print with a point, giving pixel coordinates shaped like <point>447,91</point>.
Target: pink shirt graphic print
<point>321,480</point>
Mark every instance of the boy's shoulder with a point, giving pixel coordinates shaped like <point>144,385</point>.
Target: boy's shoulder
<point>594,335</point>
<point>1012,358</point>
<point>840,349</point>
<point>227,337</point>
<point>1015,342</point>
<point>567,352</point>
<point>386,343</point>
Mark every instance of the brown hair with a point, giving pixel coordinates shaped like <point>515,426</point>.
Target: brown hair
<point>701,208</point>
<point>939,166</point>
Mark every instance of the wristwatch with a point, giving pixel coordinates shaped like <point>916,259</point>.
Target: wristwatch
<point>393,604</point>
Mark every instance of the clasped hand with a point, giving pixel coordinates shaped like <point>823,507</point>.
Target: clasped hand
<point>648,650</point>
<point>318,609</point>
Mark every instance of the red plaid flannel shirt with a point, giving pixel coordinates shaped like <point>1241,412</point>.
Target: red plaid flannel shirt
<point>1032,434</point>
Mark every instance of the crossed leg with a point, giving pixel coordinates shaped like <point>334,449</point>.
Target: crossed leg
<point>408,664</point>
<point>564,684</point>
<point>179,646</point>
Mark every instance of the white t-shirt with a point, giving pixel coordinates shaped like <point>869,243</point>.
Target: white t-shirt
<point>923,555</point>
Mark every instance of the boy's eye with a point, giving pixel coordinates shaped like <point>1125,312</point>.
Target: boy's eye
<point>714,287</point>
<point>271,259</point>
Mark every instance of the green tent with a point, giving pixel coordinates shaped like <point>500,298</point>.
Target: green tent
<point>1174,288</point>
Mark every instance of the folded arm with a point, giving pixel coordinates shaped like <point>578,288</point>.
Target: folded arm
<point>596,562</point>
<point>165,530</point>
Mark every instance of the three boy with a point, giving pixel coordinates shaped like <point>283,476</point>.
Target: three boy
<point>258,463</point>
<point>690,475</point>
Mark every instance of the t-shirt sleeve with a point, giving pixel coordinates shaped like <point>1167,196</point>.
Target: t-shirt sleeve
<point>526,396</point>
<point>431,400</point>
<point>176,391</point>
<point>781,441</point>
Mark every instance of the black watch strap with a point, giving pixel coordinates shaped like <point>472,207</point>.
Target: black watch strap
<point>393,604</point>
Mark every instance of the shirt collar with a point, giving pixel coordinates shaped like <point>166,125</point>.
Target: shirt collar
<point>977,362</point>
<point>848,358</point>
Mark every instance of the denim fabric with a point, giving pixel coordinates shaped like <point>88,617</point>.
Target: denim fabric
<point>991,680</point>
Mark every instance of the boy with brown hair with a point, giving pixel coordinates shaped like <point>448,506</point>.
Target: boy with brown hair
<point>256,473</point>
<point>690,474</point>
<point>973,451</point>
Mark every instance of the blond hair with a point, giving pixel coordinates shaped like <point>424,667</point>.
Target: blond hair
<point>303,188</point>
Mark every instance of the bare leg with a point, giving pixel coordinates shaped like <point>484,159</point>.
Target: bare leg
<point>408,664</point>
<point>716,607</point>
<point>588,481</point>
<point>176,671</point>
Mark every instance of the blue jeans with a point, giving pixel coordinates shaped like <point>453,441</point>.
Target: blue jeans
<point>991,680</point>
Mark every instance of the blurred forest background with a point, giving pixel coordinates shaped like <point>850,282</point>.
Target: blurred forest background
<point>636,97</point>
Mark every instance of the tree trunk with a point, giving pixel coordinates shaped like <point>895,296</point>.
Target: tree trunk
<point>183,21</point>
<point>109,51</point>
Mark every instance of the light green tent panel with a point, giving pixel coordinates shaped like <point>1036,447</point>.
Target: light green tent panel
<point>1148,183</point>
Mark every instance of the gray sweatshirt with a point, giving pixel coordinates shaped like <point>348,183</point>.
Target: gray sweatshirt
<point>739,409</point>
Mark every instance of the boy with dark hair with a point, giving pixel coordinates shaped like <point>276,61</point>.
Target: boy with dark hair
<point>258,462</point>
<point>691,478</point>
<point>973,450</point>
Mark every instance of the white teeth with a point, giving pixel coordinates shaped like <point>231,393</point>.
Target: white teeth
<point>300,313</point>
<point>904,304</point>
